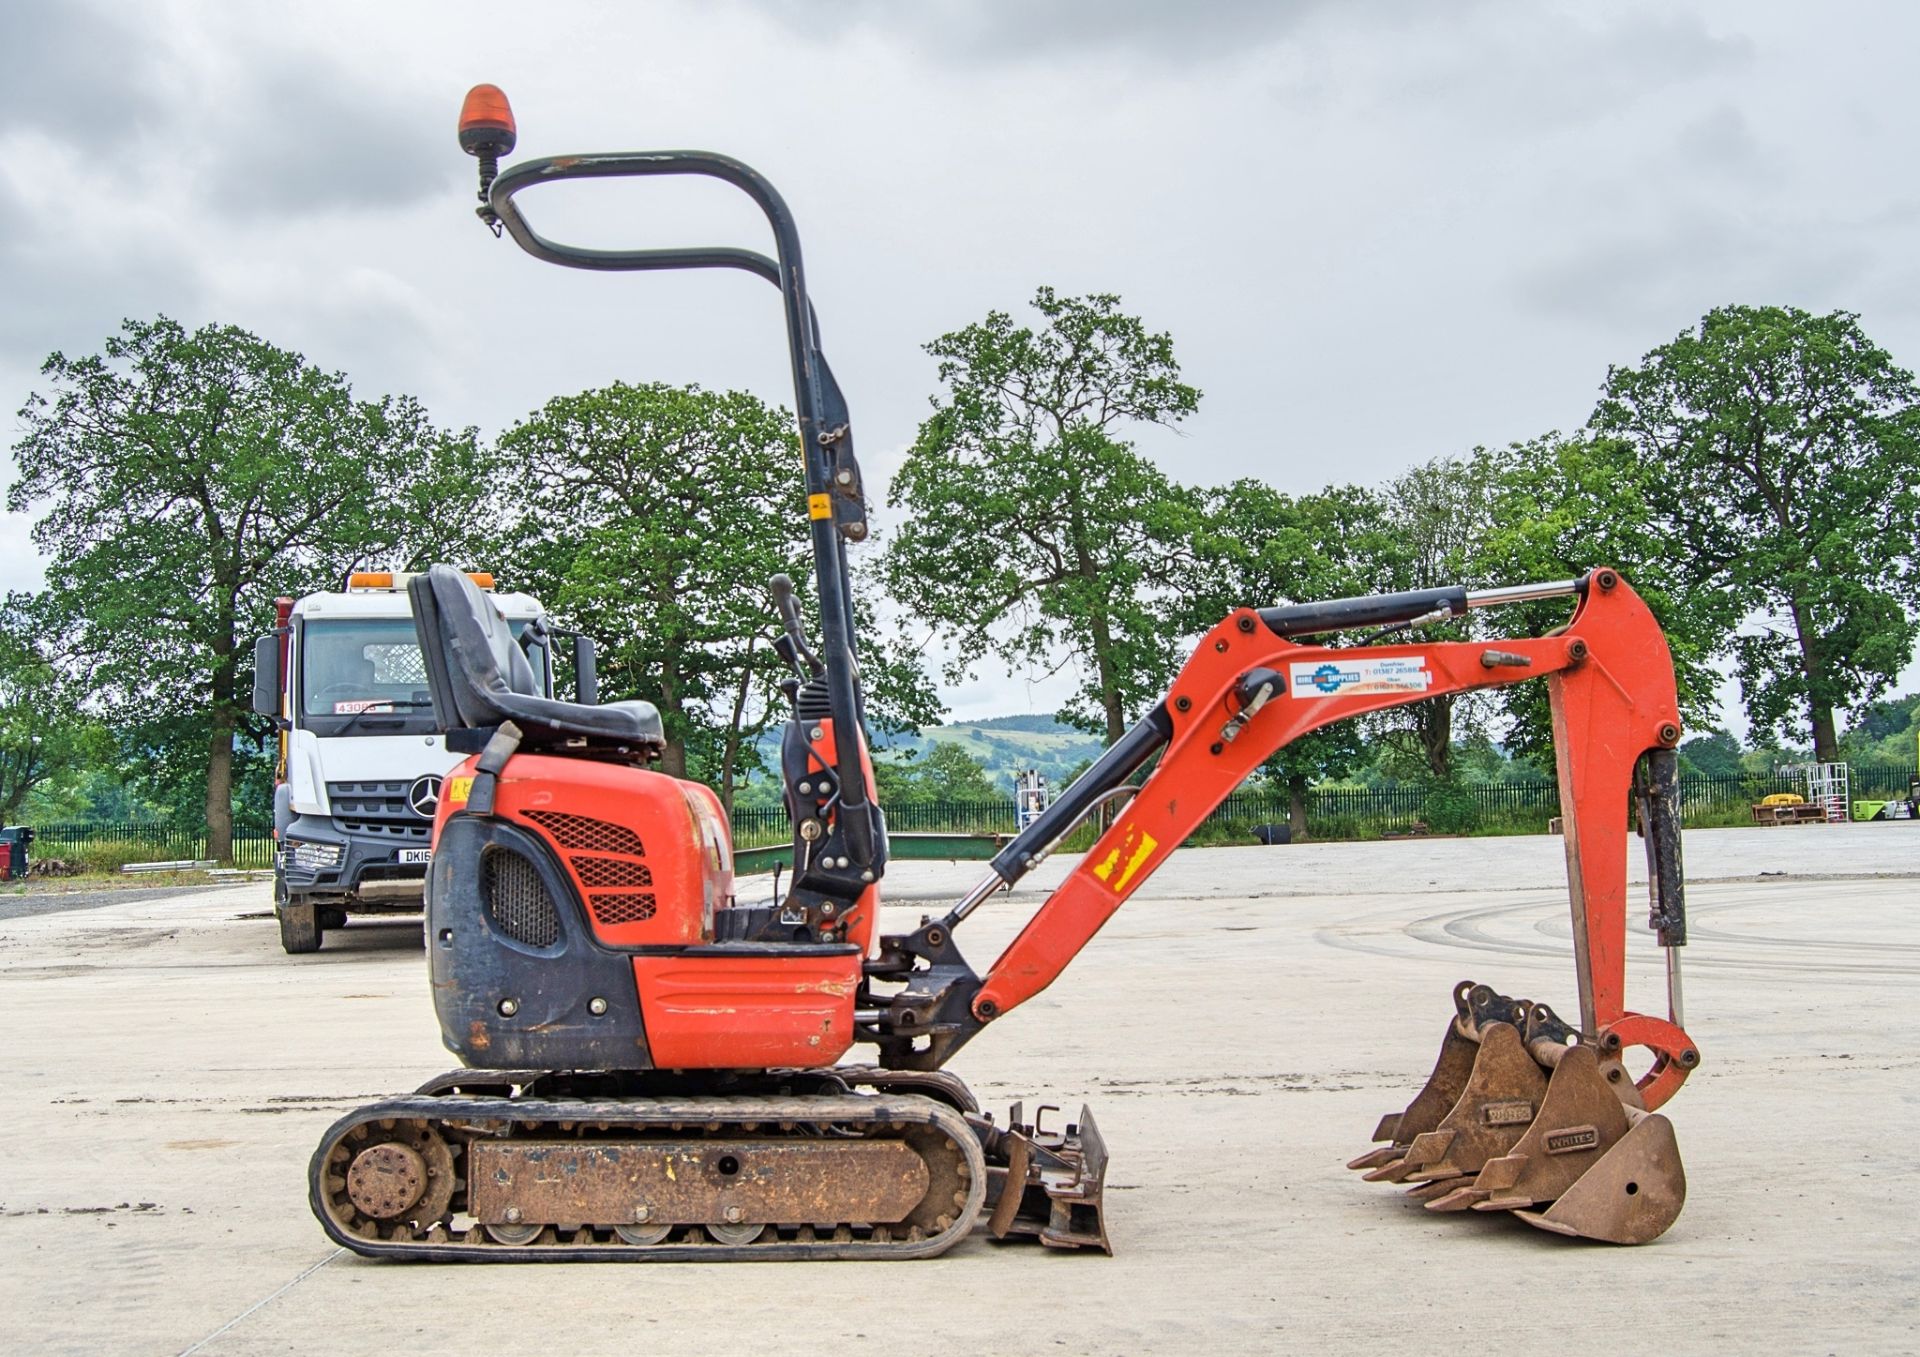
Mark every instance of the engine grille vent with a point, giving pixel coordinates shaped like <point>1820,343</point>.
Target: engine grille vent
<point>621,909</point>
<point>517,898</point>
<point>583,832</point>
<point>611,872</point>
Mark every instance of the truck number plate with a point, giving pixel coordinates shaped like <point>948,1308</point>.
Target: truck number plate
<point>410,855</point>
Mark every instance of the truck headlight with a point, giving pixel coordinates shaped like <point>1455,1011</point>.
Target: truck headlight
<point>313,857</point>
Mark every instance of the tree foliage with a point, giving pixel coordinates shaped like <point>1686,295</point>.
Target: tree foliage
<point>1439,516</point>
<point>1035,528</point>
<point>185,479</point>
<point>1563,505</point>
<point>1258,547</point>
<point>44,734</point>
<point>943,773</point>
<point>652,519</point>
<point>1785,473</point>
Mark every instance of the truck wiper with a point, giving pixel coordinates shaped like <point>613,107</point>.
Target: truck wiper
<point>385,708</point>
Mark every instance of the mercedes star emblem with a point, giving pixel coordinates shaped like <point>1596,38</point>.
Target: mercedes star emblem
<point>424,796</point>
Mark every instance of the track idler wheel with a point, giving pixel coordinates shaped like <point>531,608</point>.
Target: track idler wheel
<point>391,1176</point>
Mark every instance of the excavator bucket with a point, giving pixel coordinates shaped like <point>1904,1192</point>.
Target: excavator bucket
<point>1442,1090</point>
<point>1630,1196</point>
<point>1503,1091</point>
<point>1572,1153</point>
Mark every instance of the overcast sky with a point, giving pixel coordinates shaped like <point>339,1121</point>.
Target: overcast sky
<point>1378,232</point>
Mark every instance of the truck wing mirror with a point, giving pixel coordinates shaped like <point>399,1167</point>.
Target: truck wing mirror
<point>266,675</point>
<point>586,676</point>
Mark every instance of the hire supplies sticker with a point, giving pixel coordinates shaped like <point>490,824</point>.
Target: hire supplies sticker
<point>1390,674</point>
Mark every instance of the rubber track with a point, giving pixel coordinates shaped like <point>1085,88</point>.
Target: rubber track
<point>824,1110</point>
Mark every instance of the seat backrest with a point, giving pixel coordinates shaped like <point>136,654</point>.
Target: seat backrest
<point>471,656</point>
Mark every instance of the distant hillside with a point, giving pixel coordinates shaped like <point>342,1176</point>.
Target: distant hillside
<point>1007,744</point>
<point>1038,725</point>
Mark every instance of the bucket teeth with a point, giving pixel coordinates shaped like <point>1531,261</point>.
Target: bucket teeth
<point>1442,1090</point>
<point>1571,1153</point>
<point>1493,1111</point>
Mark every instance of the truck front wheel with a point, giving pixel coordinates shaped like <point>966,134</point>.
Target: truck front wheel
<point>299,928</point>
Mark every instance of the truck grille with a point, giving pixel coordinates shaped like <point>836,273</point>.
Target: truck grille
<point>517,898</point>
<point>378,810</point>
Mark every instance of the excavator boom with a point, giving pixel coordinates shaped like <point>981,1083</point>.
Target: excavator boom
<point>1248,692</point>
<point>1523,1111</point>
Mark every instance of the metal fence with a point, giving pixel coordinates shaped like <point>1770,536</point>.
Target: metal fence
<point>1332,812</point>
<point>1353,811</point>
<point>145,841</point>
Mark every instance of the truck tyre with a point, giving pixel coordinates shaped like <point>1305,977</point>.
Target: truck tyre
<point>299,928</point>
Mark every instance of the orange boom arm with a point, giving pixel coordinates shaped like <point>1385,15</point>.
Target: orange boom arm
<point>1610,681</point>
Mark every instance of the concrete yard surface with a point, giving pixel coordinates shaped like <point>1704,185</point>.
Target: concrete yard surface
<point>1238,1029</point>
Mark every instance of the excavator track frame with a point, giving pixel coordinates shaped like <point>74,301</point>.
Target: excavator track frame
<point>474,1128</point>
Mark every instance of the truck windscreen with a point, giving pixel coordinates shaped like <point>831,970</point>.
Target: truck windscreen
<point>354,671</point>
<point>362,665</point>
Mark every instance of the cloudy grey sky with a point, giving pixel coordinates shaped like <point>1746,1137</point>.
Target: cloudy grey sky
<point>1377,231</point>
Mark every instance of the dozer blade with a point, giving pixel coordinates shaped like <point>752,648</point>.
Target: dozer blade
<point>1441,1091</point>
<point>1631,1195</point>
<point>1580,1120</point>
<point>1502,1093</point>
<point>1050,1185</point>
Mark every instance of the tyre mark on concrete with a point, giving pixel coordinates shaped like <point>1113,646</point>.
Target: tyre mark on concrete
<point>1473,930</point>
<point>261,1304</point>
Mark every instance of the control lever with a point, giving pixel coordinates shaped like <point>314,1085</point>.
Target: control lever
<point>792,645</point>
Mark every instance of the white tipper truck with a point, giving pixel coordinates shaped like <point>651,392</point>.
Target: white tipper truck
<point>360,759</point>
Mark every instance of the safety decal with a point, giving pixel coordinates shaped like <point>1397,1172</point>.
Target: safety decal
<point>819,506</point>
<point>459,789</point>
<point>1389,674</point>
<point>1119,866</point>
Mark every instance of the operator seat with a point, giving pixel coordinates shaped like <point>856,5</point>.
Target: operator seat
<point>479,677</point>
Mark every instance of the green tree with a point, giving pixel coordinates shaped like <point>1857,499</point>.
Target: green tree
<point>652,519</point>
<point>1559,507</point>
<point>1883,732</point>
<point>45,737</point>
<point>188,478</point>
<point>1784,448</point>
<point>1440,515</point>
<point>1258,547</point>
<point>1035,528</point>
<point>1711,754</point>
<point>943,773</point>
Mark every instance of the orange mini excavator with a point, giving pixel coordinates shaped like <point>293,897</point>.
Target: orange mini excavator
<point>653,1065</point>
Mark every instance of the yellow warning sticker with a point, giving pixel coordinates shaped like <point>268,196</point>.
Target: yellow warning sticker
<point>819,506</point>
<point>459,789</point>
<point>1119,866</point>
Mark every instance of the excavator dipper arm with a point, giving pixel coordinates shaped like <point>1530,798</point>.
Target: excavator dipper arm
<point>1248,692</point>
